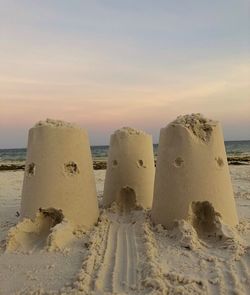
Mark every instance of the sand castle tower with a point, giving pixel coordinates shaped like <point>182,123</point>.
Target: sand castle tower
<point>130,172</point>
<point>192,178</point>
<point>59,173</point>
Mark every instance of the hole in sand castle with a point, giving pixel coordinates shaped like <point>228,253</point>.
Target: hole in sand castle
<point>203,217</point>
<point>32,235</point>
<point>219,161</point>
<point>140,163</point>
<point>178,162</point>
<point>114,163</point>
<point>31,169</point>
<point>56,216</point>
<point>126,199</point>
<point>71,168</point>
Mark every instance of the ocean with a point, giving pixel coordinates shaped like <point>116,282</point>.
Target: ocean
<point>237,149</point>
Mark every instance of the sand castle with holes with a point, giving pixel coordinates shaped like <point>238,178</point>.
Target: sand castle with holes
<point>68,246</point>
<point>192,180</point>
<point>130,173</point>
<point>59,173</point>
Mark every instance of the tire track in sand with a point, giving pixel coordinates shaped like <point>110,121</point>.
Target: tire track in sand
<point>104,281</point>
<point>118,273</point>
<point>229,278</point>
<point>120,267</point>
<point>133,257</point>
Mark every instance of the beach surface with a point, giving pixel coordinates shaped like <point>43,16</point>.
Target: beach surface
<point>124,253</point>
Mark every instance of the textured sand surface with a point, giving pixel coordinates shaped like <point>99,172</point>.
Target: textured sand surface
<point>126,254</point>
<point>130,171</point>
<point>59,173</point>
<point>192,179</point>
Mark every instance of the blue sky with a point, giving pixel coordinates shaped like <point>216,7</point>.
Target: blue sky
<point>106,64</point>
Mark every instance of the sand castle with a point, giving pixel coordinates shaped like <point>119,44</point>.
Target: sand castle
<point>192,178</point>
<point>130,172</point>
<point>59,173</point>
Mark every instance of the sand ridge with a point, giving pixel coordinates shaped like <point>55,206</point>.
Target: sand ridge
<point>48,231</point>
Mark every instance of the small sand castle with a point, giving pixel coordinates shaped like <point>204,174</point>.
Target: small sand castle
<point>130,172</point>
<point>192,178</point>
<point>59,173</point>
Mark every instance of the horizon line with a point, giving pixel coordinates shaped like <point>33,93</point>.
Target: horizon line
<point>95,145</point>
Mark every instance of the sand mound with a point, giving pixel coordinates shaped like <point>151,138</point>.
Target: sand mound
<point>205,227</point>
<point>208,223</point>
<point>203,217</point>
<point>198,124</point>
<point>187,236</point>
<point>49,230</point>
<point>129,131</point>
<point>152,276</point>
<point>56,124</point>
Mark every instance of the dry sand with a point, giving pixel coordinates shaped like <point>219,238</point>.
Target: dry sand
<point>125,253</point>
<point>131,169</point>
<point>59,173</point>
<point>192,179</point>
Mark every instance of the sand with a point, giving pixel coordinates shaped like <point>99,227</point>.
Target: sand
<point>59,173</point>
<point>192,179</point>
<point>130,172</point>
<point>125,253</point>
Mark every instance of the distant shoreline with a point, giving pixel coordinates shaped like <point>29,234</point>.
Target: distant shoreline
<point>238,153</point>
<point>107,145</point>
<point>102,164</point>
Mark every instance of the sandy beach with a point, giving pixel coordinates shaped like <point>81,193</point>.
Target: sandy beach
<point>124,148</point>
<point>126,254</point>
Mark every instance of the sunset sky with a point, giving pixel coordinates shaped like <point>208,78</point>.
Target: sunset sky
<point>108,64</point>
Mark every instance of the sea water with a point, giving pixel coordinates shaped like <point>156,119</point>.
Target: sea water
<point>100,153</point>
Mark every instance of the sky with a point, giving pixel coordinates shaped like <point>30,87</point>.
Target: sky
<point>108,64</point>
